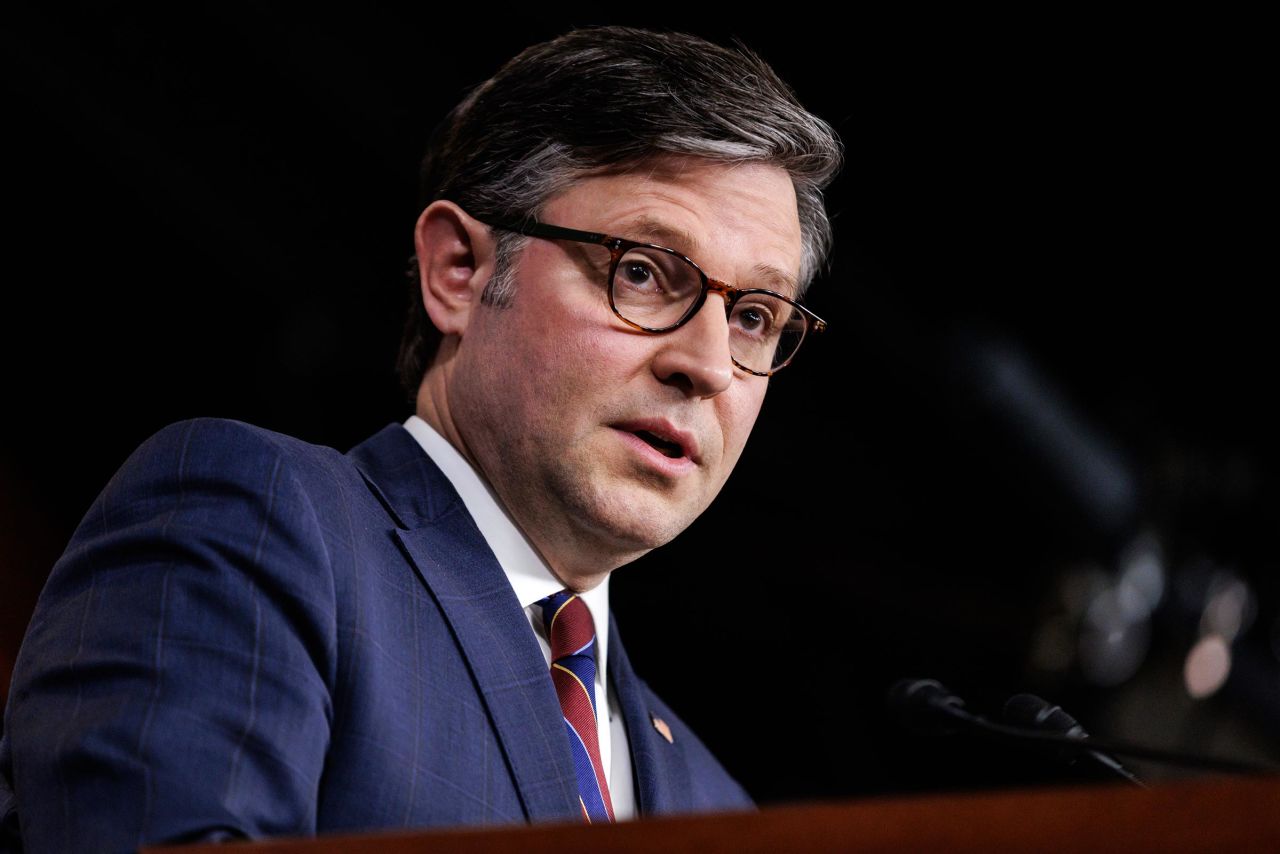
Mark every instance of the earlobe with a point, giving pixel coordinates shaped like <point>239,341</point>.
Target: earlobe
<point>455,260</point>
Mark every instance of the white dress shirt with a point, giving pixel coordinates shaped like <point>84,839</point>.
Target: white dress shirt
<point>532,580</point>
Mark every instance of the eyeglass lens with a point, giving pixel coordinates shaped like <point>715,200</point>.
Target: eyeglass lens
<point>655,289</point>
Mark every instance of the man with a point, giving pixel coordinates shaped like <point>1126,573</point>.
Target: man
<point>249,635</point>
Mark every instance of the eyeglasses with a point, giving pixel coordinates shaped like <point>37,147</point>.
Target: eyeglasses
<point>656,289</point>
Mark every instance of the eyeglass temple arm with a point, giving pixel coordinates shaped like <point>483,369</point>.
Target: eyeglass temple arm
<point>533,228</point>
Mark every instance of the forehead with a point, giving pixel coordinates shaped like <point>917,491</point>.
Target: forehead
<point>738,221</point>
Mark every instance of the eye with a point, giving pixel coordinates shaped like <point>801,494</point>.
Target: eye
<point>756,319</point>
<point>751,318</point>
<point>649,272</point>
<point>638,273</point>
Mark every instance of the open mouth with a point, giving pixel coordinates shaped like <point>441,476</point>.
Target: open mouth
<point>666,448</point>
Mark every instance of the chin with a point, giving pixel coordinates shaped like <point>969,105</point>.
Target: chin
<point>638,522</point>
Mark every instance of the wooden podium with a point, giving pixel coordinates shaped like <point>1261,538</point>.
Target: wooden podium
<point>1211,814</point>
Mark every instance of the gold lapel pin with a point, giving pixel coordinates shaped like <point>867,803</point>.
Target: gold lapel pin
<point>661,726</point>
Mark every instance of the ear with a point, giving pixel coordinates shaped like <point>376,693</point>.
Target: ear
<point>455,260</point>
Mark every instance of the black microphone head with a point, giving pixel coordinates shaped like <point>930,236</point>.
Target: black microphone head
<point>1035,713</point>
<point>925,707</point>
<point>1032,712</point>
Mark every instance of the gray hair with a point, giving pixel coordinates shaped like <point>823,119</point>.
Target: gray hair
<point>608,99</point>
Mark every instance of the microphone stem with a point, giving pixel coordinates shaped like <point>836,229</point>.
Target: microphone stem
<point>1137,751</point>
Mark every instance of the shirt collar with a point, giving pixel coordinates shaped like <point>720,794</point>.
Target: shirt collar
<point>530,577</point>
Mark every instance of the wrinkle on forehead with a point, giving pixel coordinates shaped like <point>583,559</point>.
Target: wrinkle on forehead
<point>673,166</point>
<point>663,180</point>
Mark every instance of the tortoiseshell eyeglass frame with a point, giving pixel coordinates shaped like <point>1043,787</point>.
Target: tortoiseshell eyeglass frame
<point>619,246</point>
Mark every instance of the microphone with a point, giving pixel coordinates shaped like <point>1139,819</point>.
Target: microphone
<point>1033,713</point>
<point>926,707</point>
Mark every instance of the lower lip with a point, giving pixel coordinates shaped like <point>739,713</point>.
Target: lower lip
<point>673,467</point>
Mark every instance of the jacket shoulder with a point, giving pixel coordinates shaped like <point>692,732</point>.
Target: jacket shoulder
<point>223,455</point>
<point>225,438</point>
<point>176,678</point>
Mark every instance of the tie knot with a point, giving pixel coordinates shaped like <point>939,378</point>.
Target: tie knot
<point>570,629</point>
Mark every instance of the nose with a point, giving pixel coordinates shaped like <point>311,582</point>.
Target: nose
<point>696,357</point>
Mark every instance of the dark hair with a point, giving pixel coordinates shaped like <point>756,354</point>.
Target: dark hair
<point>605,98</point>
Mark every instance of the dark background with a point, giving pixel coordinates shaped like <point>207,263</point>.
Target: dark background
<point>1050,357</point>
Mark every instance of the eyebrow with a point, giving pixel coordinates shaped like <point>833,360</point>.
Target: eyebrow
<point>654,230</point>
<point>660,232</point>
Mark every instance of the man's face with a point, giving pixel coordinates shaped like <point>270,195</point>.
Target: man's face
<point>601,440</point>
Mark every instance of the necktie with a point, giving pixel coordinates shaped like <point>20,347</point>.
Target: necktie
<point>572,635</point>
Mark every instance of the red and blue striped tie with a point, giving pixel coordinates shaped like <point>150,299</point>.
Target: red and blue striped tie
<point>573,671</point>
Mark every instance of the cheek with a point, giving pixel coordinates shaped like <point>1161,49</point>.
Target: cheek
<point>567,372</point>
<point>737,418</point>
<point>586,355</point>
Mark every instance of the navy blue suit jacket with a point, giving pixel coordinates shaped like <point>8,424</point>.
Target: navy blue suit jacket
<point>249,635</point>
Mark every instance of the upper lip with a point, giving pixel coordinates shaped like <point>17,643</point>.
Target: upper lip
<point>667,431</point>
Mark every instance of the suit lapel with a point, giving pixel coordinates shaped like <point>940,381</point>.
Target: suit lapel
<point>662,777</point>
<point>465,580</point>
